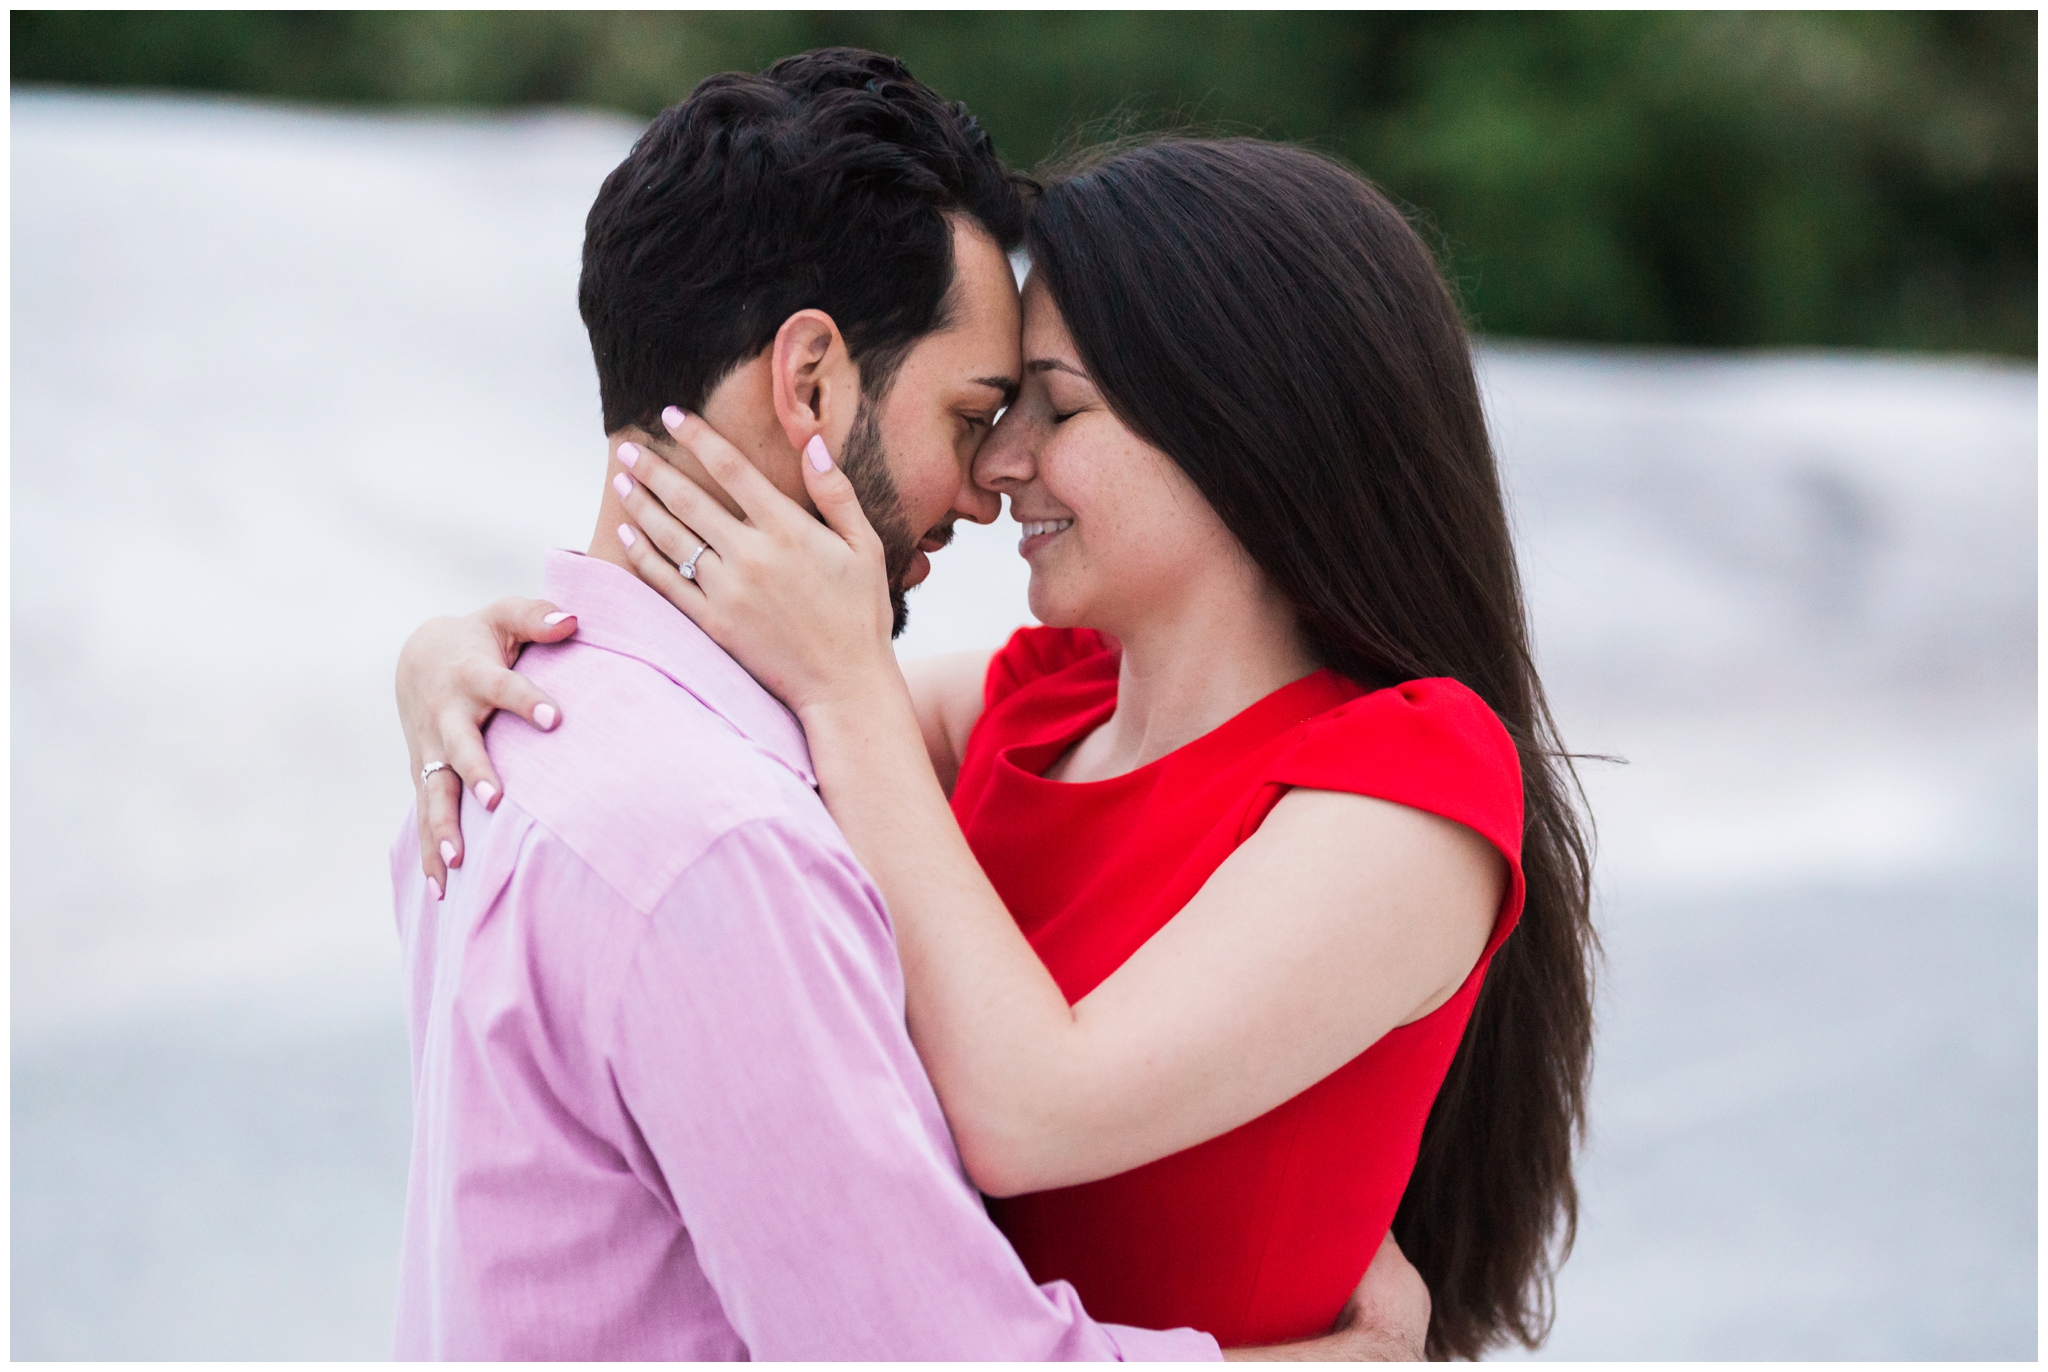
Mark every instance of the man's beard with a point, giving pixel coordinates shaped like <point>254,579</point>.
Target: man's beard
<point>867,467</point>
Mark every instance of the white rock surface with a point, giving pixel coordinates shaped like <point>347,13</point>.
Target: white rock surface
<point>286,382</point>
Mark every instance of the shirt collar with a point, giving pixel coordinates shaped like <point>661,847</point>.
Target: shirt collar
<point>619,613</point>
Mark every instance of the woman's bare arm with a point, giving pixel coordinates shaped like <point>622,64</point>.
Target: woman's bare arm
<point>946,696</point>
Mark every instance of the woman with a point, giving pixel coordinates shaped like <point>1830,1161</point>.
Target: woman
<point>1264,837</point>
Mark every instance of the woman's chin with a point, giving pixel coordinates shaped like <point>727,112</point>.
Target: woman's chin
<point>1048,609</point>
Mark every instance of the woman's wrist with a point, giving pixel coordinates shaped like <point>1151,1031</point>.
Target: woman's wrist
<point>874,712</point>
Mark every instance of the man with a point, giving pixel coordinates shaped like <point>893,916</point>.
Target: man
<point>665,1103</point>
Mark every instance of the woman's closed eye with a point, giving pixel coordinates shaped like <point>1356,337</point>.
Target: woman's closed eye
<point>1058,414</point>
<point>1073,404</point>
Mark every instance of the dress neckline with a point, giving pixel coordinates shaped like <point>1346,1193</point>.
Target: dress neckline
<point>1279,709</point>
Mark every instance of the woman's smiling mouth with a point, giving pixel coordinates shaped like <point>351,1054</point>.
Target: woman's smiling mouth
<point>1039,532</point>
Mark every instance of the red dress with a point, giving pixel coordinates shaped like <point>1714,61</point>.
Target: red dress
<point>1259,1235</point>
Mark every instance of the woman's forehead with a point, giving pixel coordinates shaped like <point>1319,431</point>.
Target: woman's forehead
<point>1045,329</point>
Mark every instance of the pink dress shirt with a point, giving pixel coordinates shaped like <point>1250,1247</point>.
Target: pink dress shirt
<point>664,1104</point>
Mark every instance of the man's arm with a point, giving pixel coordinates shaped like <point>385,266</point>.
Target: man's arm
<point>761,1049</point>
<point>1386,1319</point>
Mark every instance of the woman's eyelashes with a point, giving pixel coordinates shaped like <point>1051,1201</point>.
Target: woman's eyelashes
<point>1060,413</point>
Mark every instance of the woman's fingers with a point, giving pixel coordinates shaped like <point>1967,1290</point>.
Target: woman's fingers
<point>463,750</point>
<point>459,728</point>
<point>542,622</point>
<point>452,677</point>
<point>440,814</point>
<point>430,861</point>
<point>834,496</point>
<point>657,571</point>
<point>516,621</point>
<point>657,509</point>
<point>729,467</point>
<point>501,688</point>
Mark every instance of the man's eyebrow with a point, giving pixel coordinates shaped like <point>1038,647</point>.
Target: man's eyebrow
<point>1053,364</point>
<point>1006,384</point>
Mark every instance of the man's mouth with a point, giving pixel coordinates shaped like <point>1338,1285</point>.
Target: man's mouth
<point>920,558</point>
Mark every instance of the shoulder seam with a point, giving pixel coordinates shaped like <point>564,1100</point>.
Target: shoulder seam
<point>638,942</point>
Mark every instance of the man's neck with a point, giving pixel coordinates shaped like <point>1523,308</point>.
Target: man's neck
<point>605,543</point>
<point>742,410</point>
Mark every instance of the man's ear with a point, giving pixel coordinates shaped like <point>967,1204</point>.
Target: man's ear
<point>816,387</point>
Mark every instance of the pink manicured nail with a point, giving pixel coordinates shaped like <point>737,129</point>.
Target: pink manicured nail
<point>623,484</point>
<point>448,852</point>
<point>673,417</point>
<point>435,887</point>
<point>486,793</point>
<point>815,450</point>
<point>544,715</point>
<point>628,455</point>
<point>557,617</point>
<point>627,536</point>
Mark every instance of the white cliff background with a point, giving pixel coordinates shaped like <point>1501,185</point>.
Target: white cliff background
<point>285,382</point>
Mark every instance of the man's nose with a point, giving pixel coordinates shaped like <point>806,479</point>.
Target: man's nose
<point>1005,457</point>
<point>977,504</point>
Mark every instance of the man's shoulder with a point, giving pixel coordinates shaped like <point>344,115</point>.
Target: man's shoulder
<point>641,778</point>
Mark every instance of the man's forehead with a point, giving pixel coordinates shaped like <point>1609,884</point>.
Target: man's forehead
<point>965,360</point>
<point>978,347</point>
<point>983,296</point>
<point>982,340</point>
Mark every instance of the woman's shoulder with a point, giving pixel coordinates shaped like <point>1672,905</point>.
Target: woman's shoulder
<point>1431,744</point>
<point>1037,651</point>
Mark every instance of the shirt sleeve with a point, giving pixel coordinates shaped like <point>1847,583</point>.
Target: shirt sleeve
<point>760,1048</point>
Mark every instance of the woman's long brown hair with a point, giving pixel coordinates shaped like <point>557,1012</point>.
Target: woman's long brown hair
<point>1271,322</point>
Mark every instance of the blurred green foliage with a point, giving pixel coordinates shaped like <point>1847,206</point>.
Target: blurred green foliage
<point>1719,179</point>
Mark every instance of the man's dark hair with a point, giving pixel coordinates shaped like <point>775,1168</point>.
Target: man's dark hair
<point>822,183</point>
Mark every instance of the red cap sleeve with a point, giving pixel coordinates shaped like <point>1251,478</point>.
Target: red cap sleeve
<point>1035,651</point>
<point>1430,744</point>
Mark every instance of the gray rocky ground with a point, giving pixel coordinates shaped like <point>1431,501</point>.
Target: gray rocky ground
<point>286,382</point>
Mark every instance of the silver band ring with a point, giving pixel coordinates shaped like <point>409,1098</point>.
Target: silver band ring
<point>430,769</point>
<point>689,569</point>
